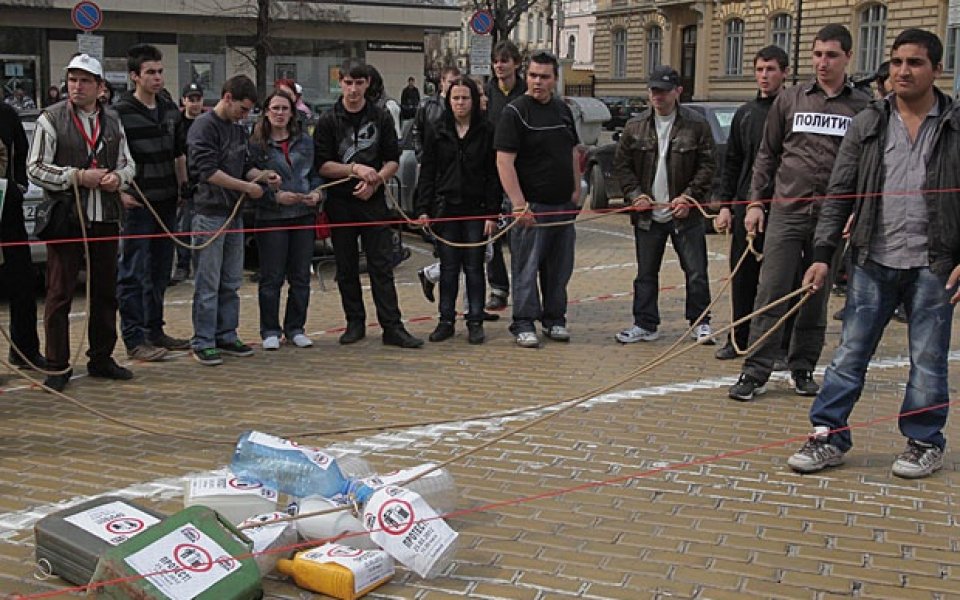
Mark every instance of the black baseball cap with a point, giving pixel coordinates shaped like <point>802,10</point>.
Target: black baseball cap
<point>191,89</point>
<point>664,78</point>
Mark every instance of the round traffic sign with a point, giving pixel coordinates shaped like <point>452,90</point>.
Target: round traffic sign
<point>86,16</point>
<point>481,22</point>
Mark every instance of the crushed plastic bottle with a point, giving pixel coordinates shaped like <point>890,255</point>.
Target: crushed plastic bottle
<point>330,525</point>
<point>272,540</point>
<point>296,470</point>
<point>437,488</point>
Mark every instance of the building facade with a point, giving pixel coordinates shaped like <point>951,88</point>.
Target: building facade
<point>712,43</point>
<point>209,41</point>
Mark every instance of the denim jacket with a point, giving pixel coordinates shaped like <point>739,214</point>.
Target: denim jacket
<point>298,175</point>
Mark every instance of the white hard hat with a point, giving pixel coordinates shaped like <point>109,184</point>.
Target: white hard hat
<point>87,63</point>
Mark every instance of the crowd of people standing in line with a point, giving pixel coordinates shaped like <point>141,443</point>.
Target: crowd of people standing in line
<point>511,147</point>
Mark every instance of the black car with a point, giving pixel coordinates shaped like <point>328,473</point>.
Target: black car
<point>621,110</point>
<point>604,186</point>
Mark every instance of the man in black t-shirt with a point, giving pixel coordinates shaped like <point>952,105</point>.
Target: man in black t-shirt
<point>536,144</point>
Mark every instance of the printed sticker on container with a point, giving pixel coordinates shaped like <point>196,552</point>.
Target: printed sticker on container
<point>114,523</point>
<point>398,477</point>
<point>403,524</point>
<point>184,563</point>
<point>267,531</point>
<point>229,485</point>
<point>368,566</point>
<point>316,455</point>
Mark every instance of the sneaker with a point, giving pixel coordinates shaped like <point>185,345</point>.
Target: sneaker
<point>704,335</point>
<point>918,460</point>
<point>900,315</point>
<point>816,454</point>
<point>475,334</point>
<point>746,388</point>
<point>444,331</point>
<point>170,343</point>
<point>487,316</point>
<point>426,286</point>
<point>179,275</point>
<point>803,383</point>
<point>635,334</point>
<point>37,360</point>
<point>271,342</point>
<point>528,339</point>
<point>726,352</point>
<point>235,348</point>
<point>147,353</point>
<point>497,301</point>
<point>302,341</point>
<point>838,316</point>
<point>557,333</point>
<point>209,357</point>
<point>108,369</point>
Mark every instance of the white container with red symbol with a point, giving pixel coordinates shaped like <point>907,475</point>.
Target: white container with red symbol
<point>233,497</point>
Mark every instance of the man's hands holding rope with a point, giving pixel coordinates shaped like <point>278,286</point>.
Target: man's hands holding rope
<point>370,180</point>
<point>679,206</point>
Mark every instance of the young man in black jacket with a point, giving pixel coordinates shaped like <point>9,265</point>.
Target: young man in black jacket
<point>770,68</point>
<point>146,254</point>
<point>357,139</point>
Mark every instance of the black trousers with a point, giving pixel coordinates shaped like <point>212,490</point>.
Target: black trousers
<point>17,275</point>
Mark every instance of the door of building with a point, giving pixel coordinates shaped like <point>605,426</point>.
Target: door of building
<point>688,61</point>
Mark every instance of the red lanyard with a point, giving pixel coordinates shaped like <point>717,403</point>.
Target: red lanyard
<point>91,141</point>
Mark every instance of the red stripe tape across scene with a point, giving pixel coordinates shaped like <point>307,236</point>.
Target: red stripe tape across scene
<point>706,460</point>
<point>392,222</point>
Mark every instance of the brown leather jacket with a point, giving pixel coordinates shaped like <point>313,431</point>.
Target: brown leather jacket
<point>690,163</point>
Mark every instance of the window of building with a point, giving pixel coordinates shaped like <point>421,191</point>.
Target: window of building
<point>733,43</point>
<point>530,37</point>
<point>781,29</point>
<point>620,53</point>
<point>950,48</point>
<point>873,29</point>
<point>539,28</point>
<point>572,47</point>
<point>654,47</point>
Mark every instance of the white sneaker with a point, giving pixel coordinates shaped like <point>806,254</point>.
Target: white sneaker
<point>302,341</point>
<point>271,342</point>
<point>558,333</point>
<point>704,335</point>
<point>635,334</point>
<point>528,339</point>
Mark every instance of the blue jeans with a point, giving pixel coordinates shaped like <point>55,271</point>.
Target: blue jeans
<point>216,303</point>
<point>144,273</point>
<point>689,241</point>
<point>470,260</point>
<point>544,256</point>
<point>873,293</point>
<point>285,253</point>
<point>184,225</point>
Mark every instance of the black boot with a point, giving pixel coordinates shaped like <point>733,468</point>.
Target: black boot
<point>475,334</point>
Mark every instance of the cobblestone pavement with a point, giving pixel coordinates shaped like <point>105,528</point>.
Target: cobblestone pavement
<point>704,505</point>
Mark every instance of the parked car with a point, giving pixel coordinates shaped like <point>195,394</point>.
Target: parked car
<point>604,186</point>
<point>621,110</point>
<point>33,197</point>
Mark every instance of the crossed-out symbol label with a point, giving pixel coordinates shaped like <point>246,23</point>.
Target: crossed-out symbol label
<point>396,516</point>
<point>124,525</point>
<point>193,558</point>
<point>244,484</point>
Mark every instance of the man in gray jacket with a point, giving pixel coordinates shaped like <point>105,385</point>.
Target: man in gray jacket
<point>803,132</point>
<point>906,248</point>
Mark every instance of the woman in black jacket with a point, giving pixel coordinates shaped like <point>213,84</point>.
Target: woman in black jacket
<point>460,186</point>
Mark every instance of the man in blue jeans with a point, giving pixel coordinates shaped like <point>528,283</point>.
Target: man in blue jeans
<point>146,255</point>
<point>536,143</point>
<point>220,163</point>
<point>906,248</point>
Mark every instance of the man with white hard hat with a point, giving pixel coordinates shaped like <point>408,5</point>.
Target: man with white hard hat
<point>77,142</point>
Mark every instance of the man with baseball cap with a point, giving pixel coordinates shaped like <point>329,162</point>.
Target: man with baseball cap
<point>77,142</point>
<point>663,160</point>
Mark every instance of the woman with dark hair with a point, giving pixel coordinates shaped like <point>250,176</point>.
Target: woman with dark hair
<point>377,94</point>
<point>52,97</point>
<point>284,218</point>
<point>459,185</point>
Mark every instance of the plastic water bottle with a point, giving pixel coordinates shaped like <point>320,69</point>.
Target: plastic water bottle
<point>330,525</point>
<point>437,488</point>
<point>353,467</point>
<point>292,469</point>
